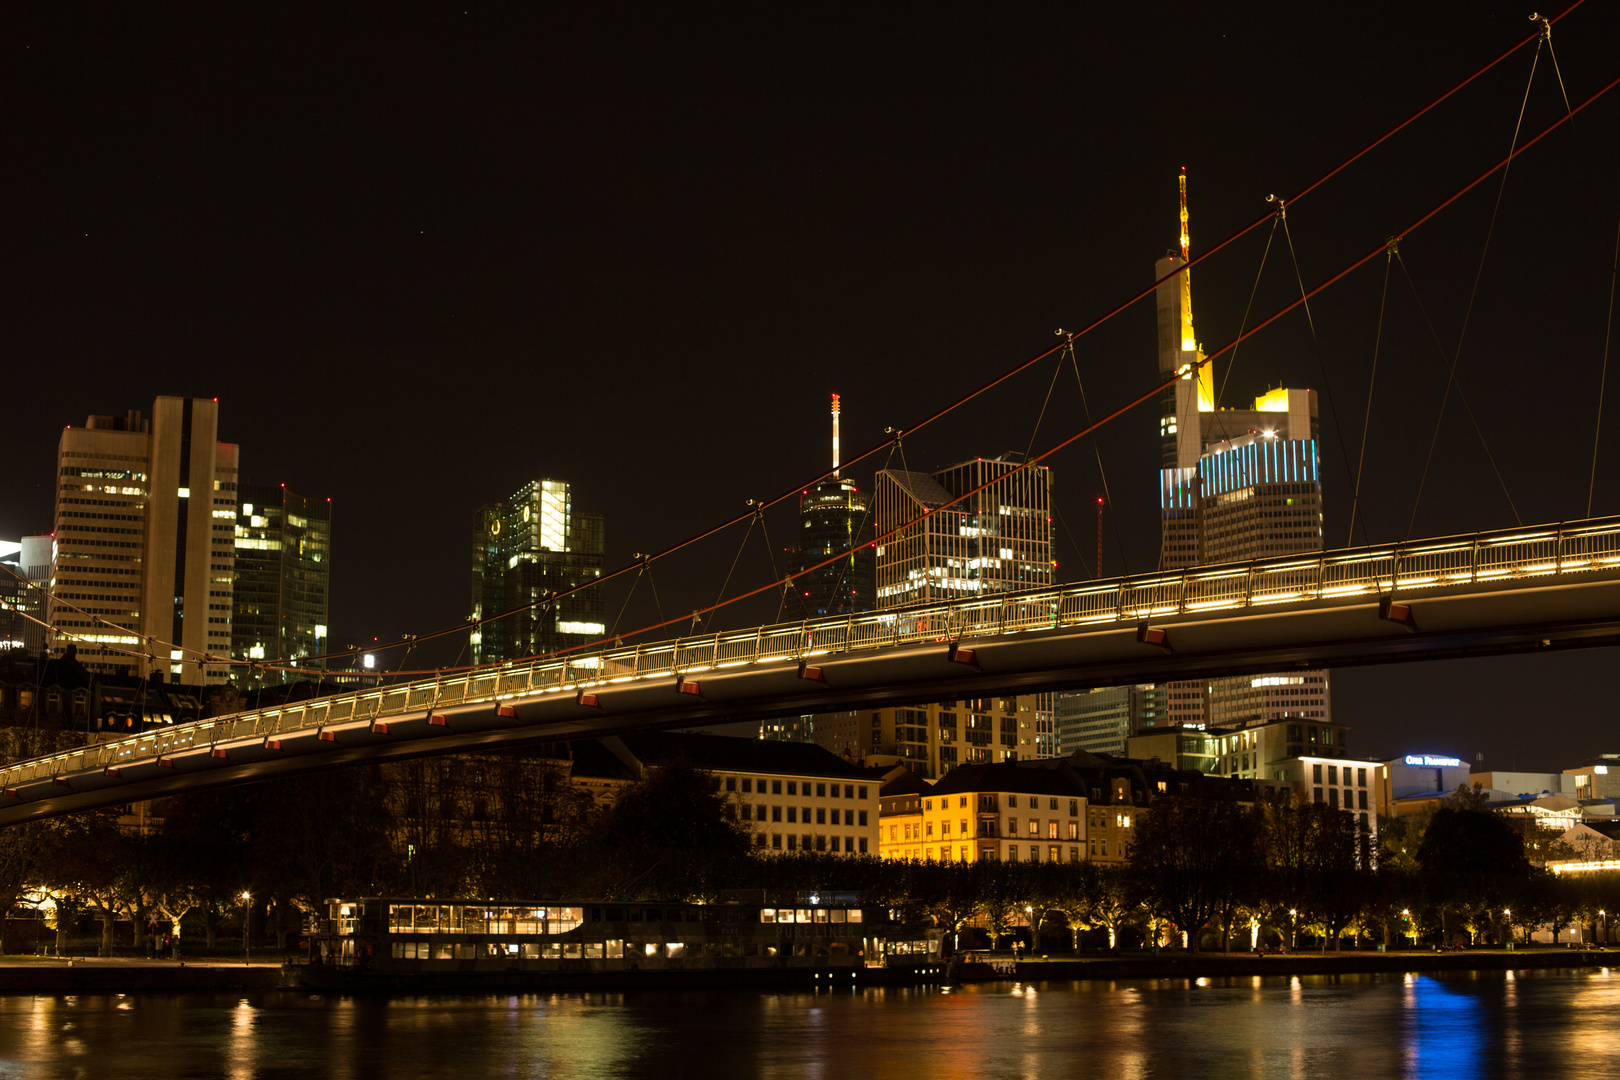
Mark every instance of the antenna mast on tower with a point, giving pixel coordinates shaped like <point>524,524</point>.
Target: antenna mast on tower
<point>835,435</point>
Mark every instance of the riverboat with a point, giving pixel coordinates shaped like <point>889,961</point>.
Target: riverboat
<point>811,939</point>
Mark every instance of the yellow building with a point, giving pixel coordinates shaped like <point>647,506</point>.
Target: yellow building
<point>1082,808</point>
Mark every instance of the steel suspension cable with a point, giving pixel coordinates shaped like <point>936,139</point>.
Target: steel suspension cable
<point>1108,496</point>
<point>1321,361</point>
<point>1110,314</point>
<point>1479,431</point>
<point>1603,377</point>
<point>1372,381</point>
<point>1159,387</point>
<point>1473,294</point>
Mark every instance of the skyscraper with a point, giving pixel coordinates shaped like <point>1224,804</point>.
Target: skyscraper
<point>1234,485</point>
<point>527,548</point>
<point>835,517</point>
<point>145,523</point>
<point>283,573</point>
<point>998,540</point>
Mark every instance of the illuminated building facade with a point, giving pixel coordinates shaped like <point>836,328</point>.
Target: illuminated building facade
<point>283,576</point>
<point>145,526</point>
<point>998,540</point>
<point>1079,808</point>
<point>527,548</point>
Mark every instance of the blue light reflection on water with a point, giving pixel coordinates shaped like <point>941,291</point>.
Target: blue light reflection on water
<point>1446,1030</point>
<point>1465,1025</point>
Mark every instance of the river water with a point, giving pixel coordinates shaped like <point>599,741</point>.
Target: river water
<point>1542,1024</point>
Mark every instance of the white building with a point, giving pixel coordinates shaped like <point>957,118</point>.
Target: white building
<point>142,568</point>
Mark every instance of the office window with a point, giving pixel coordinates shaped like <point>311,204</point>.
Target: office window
<point>793,787</point>
<point>862,845</point>
<point>821,815</point>
<point>862,816</point>
<point>1051,830</point>
<point>776,813</point>
<point>793,842</point>
<point>862,791</point>
<point>1034,827</point>
<point>1012,801</point>
<point>748,783</point>
<point>1361,799</point>
<point>776,787</point>
<point>1316,774</point>
<point>1333,774</point>
<point>1012,826</point>
<point>1074,805</point>
<point>1053,807</point>
<point>821,791</point>
<point>793,814</point>
<point>731,783</point>
<point>1361,778</point>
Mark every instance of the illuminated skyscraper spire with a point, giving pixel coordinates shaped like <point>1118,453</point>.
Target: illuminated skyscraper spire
<point>835,434</point>
<point>1189,339</point>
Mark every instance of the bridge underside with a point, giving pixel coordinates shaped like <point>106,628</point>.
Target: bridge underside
<point>1477,619</point>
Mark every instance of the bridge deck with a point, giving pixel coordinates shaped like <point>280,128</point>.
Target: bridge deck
<point>1515,590</point>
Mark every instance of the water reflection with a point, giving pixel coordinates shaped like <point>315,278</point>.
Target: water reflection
<point>1458,1026</point>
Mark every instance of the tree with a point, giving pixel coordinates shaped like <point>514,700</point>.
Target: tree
<point>1192,855</point>
<point>674,806</point>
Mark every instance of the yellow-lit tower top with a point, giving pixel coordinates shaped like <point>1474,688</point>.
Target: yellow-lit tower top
<point>1189,340</point>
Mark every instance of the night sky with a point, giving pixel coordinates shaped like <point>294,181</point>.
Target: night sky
<point>422,258</point>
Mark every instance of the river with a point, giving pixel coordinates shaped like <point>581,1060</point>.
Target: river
<point>1542,1024</point>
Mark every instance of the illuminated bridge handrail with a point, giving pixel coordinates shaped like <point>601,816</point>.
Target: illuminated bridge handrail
<point>1571,548</point>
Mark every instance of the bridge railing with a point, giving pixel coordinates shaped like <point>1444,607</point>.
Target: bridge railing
<point>1385,571</point>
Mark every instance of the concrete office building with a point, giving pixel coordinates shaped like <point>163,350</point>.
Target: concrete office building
<point>1599,778</point>
<point>145,523</point>
<point>1348,784</point>
<point>25,575</point>
<point>529,547</point>
<point>1518,783</point>
<point>1100,721</point>
<point>998,540</point>
<point>283,576</point>
<point>796,797</point>
<point>1411,779</point>
<point>1257,749</point>
<point>1185,748</point>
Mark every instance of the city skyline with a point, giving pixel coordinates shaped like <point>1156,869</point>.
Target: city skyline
<point>370,376</point>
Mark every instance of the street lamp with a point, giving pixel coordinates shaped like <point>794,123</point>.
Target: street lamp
<point>1411,940</point>
<point>1292,914</point>
<point>247,942</point>
<point>1507,919</point>
<point>1029,917</point>
<point>1605,915</point>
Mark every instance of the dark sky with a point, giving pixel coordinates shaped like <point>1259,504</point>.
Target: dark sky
<point>423,257</point>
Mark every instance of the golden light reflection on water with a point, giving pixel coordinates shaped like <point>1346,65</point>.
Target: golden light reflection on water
<point>1455,1026</point>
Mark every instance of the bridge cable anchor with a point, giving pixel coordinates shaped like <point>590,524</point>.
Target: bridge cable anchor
<point>1154,635</point>
<point>1390,611</point>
